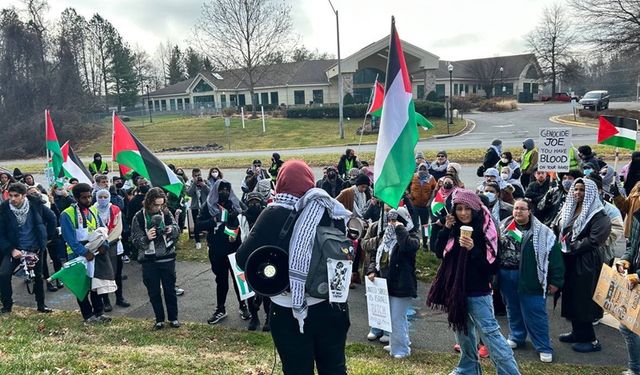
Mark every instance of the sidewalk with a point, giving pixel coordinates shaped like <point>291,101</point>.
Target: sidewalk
<point>429,329</point>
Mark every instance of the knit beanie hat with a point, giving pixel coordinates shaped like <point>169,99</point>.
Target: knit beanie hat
<point>419,155</point>
<point>496,142</point>
<point>468,198</point>
<point>363,180</point>
<point>295,178</point>
<point>457,167</point>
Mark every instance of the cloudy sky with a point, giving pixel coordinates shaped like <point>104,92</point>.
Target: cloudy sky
<point>453,30</point>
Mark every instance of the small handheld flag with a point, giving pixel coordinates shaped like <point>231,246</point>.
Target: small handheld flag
<point>513,231</point>
<point>618,132</point>
<point>438,203</point>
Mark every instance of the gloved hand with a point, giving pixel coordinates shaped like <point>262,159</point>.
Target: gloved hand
<point>614,190</point>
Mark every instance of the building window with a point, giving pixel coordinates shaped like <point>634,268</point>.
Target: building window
<point>207,101</point>
<point>361,95</point>
<point>233,99</point>
<point>264,98</point>
<point>440,90</point>
<point>466,89</point>
<point>156,107</point>
<point>526,87</point>
<point>455,89</point>
<point>163,104</point>
<point>180,107</point>
<point>420,92</point>
<point>223,100</point>
<point>242,100</point>
<point>368,76</point>
<point>475,89</point>
<point>318,97</point>
<point>274,98</point>
<point>202,86</point>
<point>298,97</point>
<point>186,103</point>
<point>150,105</point>
<point>534,88</point>
<point>172,104</point>
<point>508,88</point>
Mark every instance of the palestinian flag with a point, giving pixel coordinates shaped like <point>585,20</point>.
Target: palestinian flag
<point>375,109</point>
<point>224,215</point>
<point>72,166</point>
<point>233,233</point>
<point>53,147</point>
<point>130,152</point>
<point>437,204</point>
<point>513,231</point>
<point>394,162</point>
<point>74,276</point>
<point>618,132</point>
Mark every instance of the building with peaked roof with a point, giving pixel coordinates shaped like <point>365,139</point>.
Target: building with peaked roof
<point>315,82</point>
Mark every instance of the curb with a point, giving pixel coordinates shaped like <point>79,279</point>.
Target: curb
<point>557,120</point>
<point>468,128</point>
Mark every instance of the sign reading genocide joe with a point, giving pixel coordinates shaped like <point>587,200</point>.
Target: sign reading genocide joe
<point>553,149</point>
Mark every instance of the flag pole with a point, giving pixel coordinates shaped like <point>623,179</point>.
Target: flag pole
<point>364,120</point>
<point>615,162</point>
<point>113,133</point>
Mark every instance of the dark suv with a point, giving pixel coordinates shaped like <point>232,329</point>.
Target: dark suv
<point>595,100</point>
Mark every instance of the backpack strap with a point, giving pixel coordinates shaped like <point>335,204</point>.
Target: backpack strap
<point>287,226</point>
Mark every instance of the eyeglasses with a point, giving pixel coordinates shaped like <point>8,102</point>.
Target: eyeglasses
<point>441,156</point>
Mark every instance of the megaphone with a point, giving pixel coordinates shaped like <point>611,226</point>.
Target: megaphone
<point>267,270</point>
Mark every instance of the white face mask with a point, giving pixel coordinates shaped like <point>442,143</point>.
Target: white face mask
<point>215,174</point>
<point>505,161</point>
<point>505,176</point>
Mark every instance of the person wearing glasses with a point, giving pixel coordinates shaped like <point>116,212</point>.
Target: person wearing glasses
<point>583,232</point>
<point>531,266</point>
<point>439,166</point>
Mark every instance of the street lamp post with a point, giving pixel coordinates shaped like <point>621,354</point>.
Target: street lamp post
<point>149,105</point>
<point>340,93</point>
<point>501,82</point>
<point>450,67</point>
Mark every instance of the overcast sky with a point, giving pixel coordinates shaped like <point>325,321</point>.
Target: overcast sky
<point>453,30</point>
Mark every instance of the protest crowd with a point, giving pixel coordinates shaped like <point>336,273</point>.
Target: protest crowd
<point>507,243</point>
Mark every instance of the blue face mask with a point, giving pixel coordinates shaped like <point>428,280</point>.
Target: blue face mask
<point>587,172</point>
<point>566,184</point>
<point>490,196</point>
<point>102,202</point>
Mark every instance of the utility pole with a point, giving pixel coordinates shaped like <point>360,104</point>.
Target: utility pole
<point>340,92</point>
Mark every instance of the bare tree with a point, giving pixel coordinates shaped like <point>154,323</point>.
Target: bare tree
<point>611,25</point>
<point>487,72</point>
<point>551,42</point>
<point>245,35</point>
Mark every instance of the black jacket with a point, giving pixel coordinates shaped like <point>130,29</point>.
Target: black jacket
<point>401,273</point>
<point>536,192</point>
<point>332,189</point>
<point>491,158</point>
<point>582,270</point>
<point>44,221</point>
<point>206,222</point>
<point>342,165</point>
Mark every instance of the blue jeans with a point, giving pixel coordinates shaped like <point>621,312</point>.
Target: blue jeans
<point>480,316</point>
<point>399,338</point>
<point>633,348</point>
<point>527,313</point>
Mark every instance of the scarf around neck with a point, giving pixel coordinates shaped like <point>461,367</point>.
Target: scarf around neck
<point>439,167</point>
<point>22,212</point>
<point>591,205</point>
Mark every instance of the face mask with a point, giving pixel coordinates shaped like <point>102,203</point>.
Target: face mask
<point>103,202</point>
<point>223,195</point>
<point>59,192</point>
<point>331,175</point>
<point>215,174</point>
<point>524,147</point>
<point>504,161</point>
<point>119,185</point>
<point>144,189</point>
<point>490,196</point>
<point>448,185</point>
<point>505,176</point>
<point>566,184</point>
<point>253,211</point>
<point>587,172</point>
<point>423,174</point>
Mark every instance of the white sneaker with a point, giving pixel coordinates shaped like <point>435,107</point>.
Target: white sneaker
<point>387,348</point>
<point>384,339</point>
<point>514,344</point>
<point>372,336</point>
<point>629,372</point>
<point>399,356</point>
<point>198,246</point>
<point>546,357</point>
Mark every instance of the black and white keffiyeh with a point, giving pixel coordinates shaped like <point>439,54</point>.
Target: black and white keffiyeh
<point>21,213</point>
<point>543,241</point>
<point>590,206</point>
<point>311,206</point>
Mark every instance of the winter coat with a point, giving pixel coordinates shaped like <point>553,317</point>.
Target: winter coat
<point>632,253</point>
<point>421,193</point>
<point>164,249</point>
<point>582,270</point>
<point>332,189</point>
<point>45,225</point>
<point>342,165</point>
<point>628,206</point>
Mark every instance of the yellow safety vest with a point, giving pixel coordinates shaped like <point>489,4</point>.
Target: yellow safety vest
<point>526,159</point>
<point>92,221</point>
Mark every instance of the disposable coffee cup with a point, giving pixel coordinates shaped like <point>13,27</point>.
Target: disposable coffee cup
<point>466,231</point>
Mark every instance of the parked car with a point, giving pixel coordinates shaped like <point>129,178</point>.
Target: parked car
<point>595,100</point>
<point>559,97</point>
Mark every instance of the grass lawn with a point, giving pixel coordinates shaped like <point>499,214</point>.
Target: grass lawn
<point>281,133</point>
<point>59,343</point>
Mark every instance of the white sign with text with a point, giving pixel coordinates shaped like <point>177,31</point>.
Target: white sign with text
<point>553,149</point>
<point>378,307</point>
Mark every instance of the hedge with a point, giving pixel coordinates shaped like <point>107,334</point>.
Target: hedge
<point>426,108</point>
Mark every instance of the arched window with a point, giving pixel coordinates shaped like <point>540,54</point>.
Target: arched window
<point>368,76</point>
<point>202,86</point>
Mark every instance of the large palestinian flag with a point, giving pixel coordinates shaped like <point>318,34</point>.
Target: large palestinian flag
<point>375,109</point>
<point>394,163</point>
<point>618,131</point>
<point>53,147</point>
<point>130,152</point>
<point>72,166</point>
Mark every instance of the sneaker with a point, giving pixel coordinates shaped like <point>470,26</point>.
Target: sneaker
<point>91,320</point>
<point>587,347</point>
<point>546,357</point>
<point>483,352</point>
<point>217,317</point>
<point>512,344</point>
<point>567,337</point>
<point>453,373</point>
<point>254,323</point>
<point>179,291</point>
<point>45,309</point>
<point>175,324</point>
<point>123,303</point>
<point>596,322</point>
<point>198,246</point>
<point>103,318</point>
<point>245,314</point>
<point>158,326</point>
<point>456,348</point>
<point>266,327</point>
<point>125,259</point>
<point>372,336</point>
<point>384,339</point>
<point>387,348</point>
<point>108,307</point>
<point>629,372</point>
<point>400,356</point>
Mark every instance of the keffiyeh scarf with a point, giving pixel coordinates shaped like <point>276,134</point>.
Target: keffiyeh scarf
<point>591,205</point>
<point>21,213</point>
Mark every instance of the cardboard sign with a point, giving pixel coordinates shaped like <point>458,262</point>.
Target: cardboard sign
<point>613,295</point>
<point>378,308</point>
<point>553,149</point>
<point>339,276</point>
<point>238,275</point>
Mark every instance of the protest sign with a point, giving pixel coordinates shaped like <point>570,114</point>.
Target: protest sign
<point>339,276</point>
<point>613,295</point>
<point>378,307</point>
<point>553,149</point>
<point>238,275</point>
